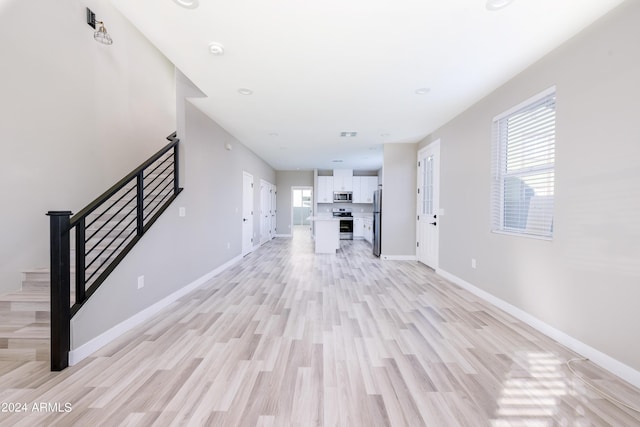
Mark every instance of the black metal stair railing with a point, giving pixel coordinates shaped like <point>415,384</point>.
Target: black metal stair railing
<point>104,232</point>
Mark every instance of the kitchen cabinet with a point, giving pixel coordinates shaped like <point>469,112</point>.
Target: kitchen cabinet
<point>368,229</point>
<point>363,188</point>
<point>358,227</point>
<point>343,180</point>
<point>327,237</point>
<point>369,186</point>
<point>325,189</point>
<point>357,192</point>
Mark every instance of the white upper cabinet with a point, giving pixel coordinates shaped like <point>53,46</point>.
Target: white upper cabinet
<point>363,188</point>
<point>342,180</point>
<point>357,189</point>
<point>325,189</point>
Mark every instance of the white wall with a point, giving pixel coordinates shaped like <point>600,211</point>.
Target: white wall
<point>75,116</point>
<point>586,282</point>
<point>399,201</point>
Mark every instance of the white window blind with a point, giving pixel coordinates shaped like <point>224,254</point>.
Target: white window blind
<point>523,167</point>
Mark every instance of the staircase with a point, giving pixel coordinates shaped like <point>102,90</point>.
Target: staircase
<point>25,325</point>
<point>24,320</point>
<point>103,233</point>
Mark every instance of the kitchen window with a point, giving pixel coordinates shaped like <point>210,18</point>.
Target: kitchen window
<point>523,167</point>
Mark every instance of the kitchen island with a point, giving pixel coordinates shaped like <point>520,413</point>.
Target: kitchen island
<point>327,235</point>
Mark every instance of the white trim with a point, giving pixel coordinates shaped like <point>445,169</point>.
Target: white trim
<point>605,361</point>
<point>285,235</point>
<point>398,257</point>
<point>532,236</point>
<point>525,103</point>
<point>85,350</point>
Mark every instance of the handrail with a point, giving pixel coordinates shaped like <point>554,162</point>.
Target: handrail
<point>120,184</point>
<point>116,222</point>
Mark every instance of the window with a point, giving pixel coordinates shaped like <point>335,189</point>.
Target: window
<point>523,167</point>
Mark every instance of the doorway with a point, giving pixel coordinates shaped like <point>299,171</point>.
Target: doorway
<point>247,213</point>
<point>267,211</point>
<point>428,204</point>
<point>301,210</point>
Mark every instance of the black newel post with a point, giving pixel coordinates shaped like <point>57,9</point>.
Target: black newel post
<point>60,283</point>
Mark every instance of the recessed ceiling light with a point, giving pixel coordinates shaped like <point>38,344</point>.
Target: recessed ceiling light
<point>245,91</point>
<point>348,134</point>
<point>336,161</point>
<point>422,90</point>
<point>273,134</point>
<point>498,4</point>
<point>216,49</point>
<point>187,4</point>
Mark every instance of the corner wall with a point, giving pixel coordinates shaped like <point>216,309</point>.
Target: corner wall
<point>399,181</point>
<point>75,117</point>
<point>586,281</point>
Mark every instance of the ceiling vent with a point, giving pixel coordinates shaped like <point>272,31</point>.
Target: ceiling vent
<point>348,134</point>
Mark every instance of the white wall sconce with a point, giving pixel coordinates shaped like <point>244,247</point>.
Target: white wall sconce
<point>100,35</point>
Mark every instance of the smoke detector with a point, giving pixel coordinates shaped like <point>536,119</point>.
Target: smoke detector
<point>216,49</point>
<point>187,4</point>
<point>498,4</point>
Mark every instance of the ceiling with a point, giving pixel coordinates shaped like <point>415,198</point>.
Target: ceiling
<point>316,69</point>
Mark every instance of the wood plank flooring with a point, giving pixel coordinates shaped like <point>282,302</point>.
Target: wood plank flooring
<point>290,338</point>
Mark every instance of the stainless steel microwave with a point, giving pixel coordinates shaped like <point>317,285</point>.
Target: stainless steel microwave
<point>342,197</point>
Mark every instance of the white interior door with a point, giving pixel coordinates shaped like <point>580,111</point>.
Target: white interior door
<point>265,211</point>
<point>247,213</point>
<point>274,194</point>
<point>428,223</point>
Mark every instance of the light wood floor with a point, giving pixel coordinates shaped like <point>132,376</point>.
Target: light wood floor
<point>290,338</point>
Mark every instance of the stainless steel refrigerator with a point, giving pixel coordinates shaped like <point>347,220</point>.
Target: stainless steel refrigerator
<point>377,216</point>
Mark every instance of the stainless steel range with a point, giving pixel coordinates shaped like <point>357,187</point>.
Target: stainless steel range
<point>346,222</point>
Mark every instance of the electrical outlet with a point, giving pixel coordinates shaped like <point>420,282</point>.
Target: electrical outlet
<point>473,263</point>
<point>182,211</point>
<point>228,245</point>
<point>140,282</point>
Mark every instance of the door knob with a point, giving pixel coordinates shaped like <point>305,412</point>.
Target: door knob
<point>244,219</point>
<point>433,223</point>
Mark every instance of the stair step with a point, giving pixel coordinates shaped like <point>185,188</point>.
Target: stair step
<point>36,275</point>
<point>35,286</point>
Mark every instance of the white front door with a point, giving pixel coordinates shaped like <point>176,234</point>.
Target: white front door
<point>247,213</point>
<point>428,204</point>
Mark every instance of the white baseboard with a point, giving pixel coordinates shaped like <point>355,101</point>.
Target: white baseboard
<point>398,257</point>
<point>78,354</point>
<point>607,362</point>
